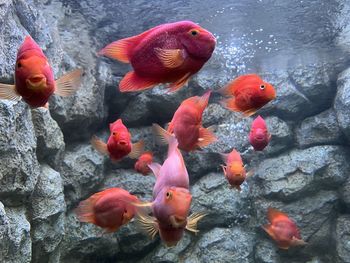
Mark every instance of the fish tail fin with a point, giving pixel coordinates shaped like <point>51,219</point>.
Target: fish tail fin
<point>85,210</point>
<point>132,83</point>
<point>192,221</point>
<point>8,92</point>
<point>118,50</point>
<point>225,91</point>
<point>179,83</point>
<point>206,136</point>
<point>162,136</point>
<point>137,149</point>
<point>69,83</point>
<point>238,187</point>
<point>230,104</point>
<point>99,145</point>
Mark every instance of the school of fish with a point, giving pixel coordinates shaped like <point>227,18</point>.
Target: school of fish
<point>169,53</point>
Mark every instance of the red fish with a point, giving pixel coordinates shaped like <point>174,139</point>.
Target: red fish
<point>109,209</point>
<point>168,53</point>
<point>170,215</point>
<point>282,229</point>
<point>259,136</point>
<point>234,170</point>
<point>249,92</point>
<point>186,125</point>
<point>119,143</point>
<point>34,79</point>
<point>142,163</point>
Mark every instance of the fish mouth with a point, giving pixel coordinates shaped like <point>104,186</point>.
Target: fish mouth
<point>123,143</point>
<point>177,221</point>
<point>36,80</point>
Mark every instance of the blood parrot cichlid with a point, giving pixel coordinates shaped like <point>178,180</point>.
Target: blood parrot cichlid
<point>168,53</point>
<point>259,136</point>
<point>109,209</point>
<point>142,163</point>
<point>186,125</point>
<point>234,170</point>
<point>249,92</point>
<point>34,79</point>
<point>119,143</point>
<point>283,229</point>
<point>171,200</point>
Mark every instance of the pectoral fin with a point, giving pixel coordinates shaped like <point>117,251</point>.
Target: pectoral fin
<point>8,92</point>
<point>136,150</point>
<point>192,221</point>
<point>162,136</point>
<point>148,224</point>
<point>171,58</point>
<point>99,145</point>
<point>69,83</point>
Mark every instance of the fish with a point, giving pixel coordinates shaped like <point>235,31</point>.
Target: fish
<point>173,172</point>
<point>186,125</point>
<point>167,53</point>
<point>109,209</point>
<point>259,136</point>
<point>282,229</point>
<point>248,93</point>
<point>34,78</point>
<point>170,215</point>
<point>119,143</point>
<point>234,170</point>
<point>142,163</point>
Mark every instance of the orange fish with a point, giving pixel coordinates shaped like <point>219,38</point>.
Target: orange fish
<point>119,143</point>
<point>142,163</point>
<point>186,125</point>
<point>168,53</point>
<point>170,215</point>
<point>282,229</point>
<point>234,170</point>
<point>109,209</point>
<point>249,92</point>
<point>34,79</point>
<point>259,136</point>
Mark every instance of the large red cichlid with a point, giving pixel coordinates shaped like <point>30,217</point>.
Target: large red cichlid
<point>168,53</point>
<point>34,79</point>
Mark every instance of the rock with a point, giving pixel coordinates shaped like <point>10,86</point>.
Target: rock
<point>320,129</point>
<point>19,167</point>
<point>304,172</point>
<point>82,172</point>
<point>266,252</point>
<point>282,136</point>
<point>342,102</point>
<point>4,233</point>
<point>225,206</point>
<point>47,212</point>
<point>342,237</point>
<point>20,244</point>
<point>223,245</point>
<point>214,114</point>
<point>50,144</point>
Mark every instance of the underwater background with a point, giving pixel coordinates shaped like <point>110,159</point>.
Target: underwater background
<point>47,164</point>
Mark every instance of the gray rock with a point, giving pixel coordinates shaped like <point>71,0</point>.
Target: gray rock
<point>47,212</point>
<point>342,102</point>
<point>19,167</point>
<point>50,144</point>
<point>20,244</point>
<point>82,172</point>
<point>4,233</point>
<point>303,172</point>
<point>223,245</point>
<point>282,136</point>
<point>320,129</point>
<point>266,252</point>
<point>225,207</point>
<point>342,235</point>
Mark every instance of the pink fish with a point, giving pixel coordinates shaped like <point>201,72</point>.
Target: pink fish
<point>259,136</point>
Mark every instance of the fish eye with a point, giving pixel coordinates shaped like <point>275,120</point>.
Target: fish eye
<point>114,133</point>
<point>262,86</point>
<point>194,32</point>
<point>168,195</point>
<point>19,65</point>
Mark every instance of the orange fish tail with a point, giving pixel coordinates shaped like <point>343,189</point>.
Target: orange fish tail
<point>230,104</point>
<point>132,82</point>
<point>85,211</point>
<point>206,137</point>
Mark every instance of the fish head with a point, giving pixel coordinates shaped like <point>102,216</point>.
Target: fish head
<point>236,169</point>
<point>267,91</point>
<point>172,206</point>
<point>32,68</point>
<point>198,42</point>
<point>260,135</point>
<point>121,138</point>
